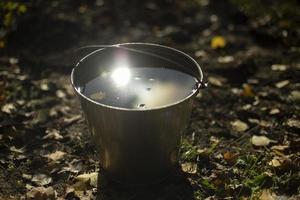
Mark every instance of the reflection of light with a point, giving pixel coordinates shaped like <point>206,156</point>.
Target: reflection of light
<point>121,76</point>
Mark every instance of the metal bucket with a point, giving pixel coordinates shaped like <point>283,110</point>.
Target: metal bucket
<point>136,146</point>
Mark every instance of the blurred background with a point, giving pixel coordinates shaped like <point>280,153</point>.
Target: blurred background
<point>46,30</point>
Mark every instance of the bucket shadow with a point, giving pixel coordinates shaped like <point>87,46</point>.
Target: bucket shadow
<point>176,186</point>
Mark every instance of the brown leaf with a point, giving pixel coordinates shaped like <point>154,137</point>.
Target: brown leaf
<point>247,91</point>
<point>41,193</point>
<point>230,156</point>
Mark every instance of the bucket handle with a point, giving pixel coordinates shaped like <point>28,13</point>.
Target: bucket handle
<point>201,84</point>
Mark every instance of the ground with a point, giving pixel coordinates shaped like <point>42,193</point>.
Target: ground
<point>243,137</point>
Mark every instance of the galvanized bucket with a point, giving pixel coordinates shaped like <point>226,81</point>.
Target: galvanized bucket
<point>136,146</point>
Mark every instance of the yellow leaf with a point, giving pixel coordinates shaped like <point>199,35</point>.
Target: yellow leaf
<point>247,92</point>
<point>22,8</point>
<point>218,42</point>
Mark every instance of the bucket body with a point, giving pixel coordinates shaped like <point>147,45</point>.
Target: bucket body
<point>136,146</point>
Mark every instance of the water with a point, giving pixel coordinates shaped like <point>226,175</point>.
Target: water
<point>139,88</point>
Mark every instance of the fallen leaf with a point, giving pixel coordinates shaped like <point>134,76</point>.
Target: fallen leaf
<point>274,111</point>
<point>27,176</point>
<point>13,61</point>
<point>267,195</point>
<point>225,59</point>
<point>230,156</point>
<point>218,42</point>
<point>53,134</point>
<point>282,84</point>
<point>275,163</point>
<point>72,119</point>
<point>264,123</point>
<point>215,81</point>
<point>278,67</point>
<point>294,123</point>
<point>75,166</point>
<point>57,155</point>
<point>239,126</point>
<point>189,167</point>
<point>247,91</point>
<point>14,149</point>
<point>200,53</point>
<point>60,94</point>
<point>294,96</point>
<point>98,96</point>
<point>41,179</point>
<point>85,180</point>
<point>280,147</point>
<point>8,108</point>
<point>42,193</point>
<point>260,140</point>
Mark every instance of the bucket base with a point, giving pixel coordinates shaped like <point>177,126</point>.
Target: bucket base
<point>174,171</point>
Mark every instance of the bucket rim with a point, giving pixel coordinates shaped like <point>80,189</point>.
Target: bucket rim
<point>194,93</point>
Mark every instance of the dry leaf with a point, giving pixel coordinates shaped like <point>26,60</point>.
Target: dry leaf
<point>275,163</point>
<point>98,96</point>
<point>247,91</point>
<point>14,149</point>
<point>41,193</point>
<point>260,140</point>
<point>218,42</point>
<point>60,94</point>
<point>57,155</point>
<point>278,67</point>
<point>53,134</point>
<point>230,156</point>
<point>294,123</point>
<point>239,126</point>
<point>282,84</point>
<point>280,147</point>
<point>215,81</point>
<point>189,167</point>
<point>225,59</point>
<point>200,53</point>
<point>85,180</point>
<point>72,119</point>
<point>41,179</point>
<point>267,195</point>
<point>8,108</point>
<point>274,111</point>
<point>295,96</point>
